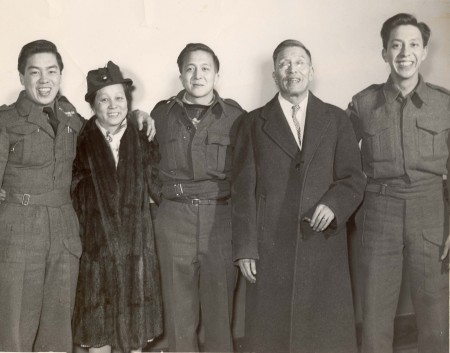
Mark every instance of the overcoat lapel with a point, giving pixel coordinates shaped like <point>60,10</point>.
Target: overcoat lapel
<point>316,124</point>
<point>277,128</point>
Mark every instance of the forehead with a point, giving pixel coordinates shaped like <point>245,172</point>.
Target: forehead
<point>292,53</point>
<point>198,57</point>
<point>42,60</point>
<point>405,32</point>
<point>111,90</point>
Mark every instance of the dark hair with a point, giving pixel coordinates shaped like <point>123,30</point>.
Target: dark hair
<point>402,19</point>
<point>38,46</point>
<point>194,47</point>
<point>127,88</point>
<point>289,43</point>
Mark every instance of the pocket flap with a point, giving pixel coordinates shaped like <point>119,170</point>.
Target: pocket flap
<point>219,139</point>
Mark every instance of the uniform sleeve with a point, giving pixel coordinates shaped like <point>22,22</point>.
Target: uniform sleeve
<point>243,199</point>
<point>352,113</point>
<point>4,152</point>
<point>347,190</point>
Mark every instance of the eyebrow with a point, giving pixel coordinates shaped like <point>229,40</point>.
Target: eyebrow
<point>47,68</point>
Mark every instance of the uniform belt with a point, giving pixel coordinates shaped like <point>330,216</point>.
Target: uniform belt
<point>222,201</point>
<point>55,198</point>
<point>403,192</point>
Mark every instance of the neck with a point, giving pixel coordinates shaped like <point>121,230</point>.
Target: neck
<point>406,86</point>
<point>205,100</point>
<point>295,99</point>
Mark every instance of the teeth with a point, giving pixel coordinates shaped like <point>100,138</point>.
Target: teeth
<point>44,91</point>
<point>405,63</point>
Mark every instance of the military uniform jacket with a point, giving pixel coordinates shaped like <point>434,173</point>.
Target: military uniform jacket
<point>403,141</point>
<point>34,160</point>
<point>198,158</point>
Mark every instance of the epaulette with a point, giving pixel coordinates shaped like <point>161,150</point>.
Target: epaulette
<point>438,88</point>
<point>163,103</point>
<point>6,107</point>
<point>233,103</point>
<point>367,90</point>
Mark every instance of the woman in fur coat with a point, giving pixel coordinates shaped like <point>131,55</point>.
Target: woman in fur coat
<point>118,302</point>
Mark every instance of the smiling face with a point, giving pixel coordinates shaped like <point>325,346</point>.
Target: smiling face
<point>293,73</point>
<point>41,78</point>
<point>198,76</point>
<point>110,106</point>
<point>404,53</point>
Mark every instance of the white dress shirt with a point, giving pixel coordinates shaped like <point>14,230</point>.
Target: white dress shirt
<point>286,107</point>
<point>113,139</point>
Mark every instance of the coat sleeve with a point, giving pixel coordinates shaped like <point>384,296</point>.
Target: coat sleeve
<point>243,187</point>
<point>347,190</point>
<point>4,152</point>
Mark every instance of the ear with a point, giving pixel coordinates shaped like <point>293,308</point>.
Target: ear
<point>216,78</point>
<point>274,77</point>
<point>311,73</point>
<point>425,53</point>
<point>384,55</point>
<point>22,79</point>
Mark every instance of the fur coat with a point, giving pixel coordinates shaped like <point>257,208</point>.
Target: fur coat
<point>118,299</point>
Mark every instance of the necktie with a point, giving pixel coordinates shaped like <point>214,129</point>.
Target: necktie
<point>295,109</point>
<point>51,118</point>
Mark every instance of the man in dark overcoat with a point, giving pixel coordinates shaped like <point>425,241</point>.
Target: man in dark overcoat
<point>296,180</point>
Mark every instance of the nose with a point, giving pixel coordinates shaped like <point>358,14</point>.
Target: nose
<point>405,50</point>
<point>197,74</point>
<point>292,68</point>
<point>43,78</point>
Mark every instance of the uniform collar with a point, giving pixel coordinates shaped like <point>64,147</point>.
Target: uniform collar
<point>25,105</point>
<point>419,95</point>
<point>178,99</point>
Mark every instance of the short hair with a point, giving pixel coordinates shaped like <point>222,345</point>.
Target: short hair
<point>35,47</point>
<point>127,88</point>
<point>402,19</point>
<point>287,44</point>
<point>189,48</point>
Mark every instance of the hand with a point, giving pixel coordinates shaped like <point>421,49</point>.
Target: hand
<point>248,269</point>
<point>446,248</point>
<point>143,119</point>
<point>2,195</point>
<point>321,218</point>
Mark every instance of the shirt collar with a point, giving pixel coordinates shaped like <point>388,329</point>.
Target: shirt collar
<point>106,133</point>
<point>287,106</point>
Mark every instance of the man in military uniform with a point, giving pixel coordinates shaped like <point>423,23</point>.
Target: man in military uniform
<point>404,128</point>
<point>39,240</point>
<point>195,131</point>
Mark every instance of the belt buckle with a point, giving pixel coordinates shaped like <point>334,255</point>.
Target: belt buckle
<point>383,188</point>
<point>25,199</point>
<point>195,202</point>
<point>178,189</point>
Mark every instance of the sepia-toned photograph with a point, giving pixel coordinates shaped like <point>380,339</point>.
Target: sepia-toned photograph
<point>250,176</point>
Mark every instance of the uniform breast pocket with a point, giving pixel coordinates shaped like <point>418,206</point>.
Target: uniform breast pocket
<point>218,152</point>
<point>379,140</point>
<point>30,146</point>
<point>432,135</point>
<point>70,142</point>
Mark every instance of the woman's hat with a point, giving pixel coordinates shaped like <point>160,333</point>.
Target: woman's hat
<point>102,77</point>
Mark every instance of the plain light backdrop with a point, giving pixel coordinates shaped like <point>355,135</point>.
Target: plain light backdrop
<point>144,37</point>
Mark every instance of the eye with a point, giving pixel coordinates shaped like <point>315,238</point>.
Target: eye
<point>34,72</point>
<point>395,46</point>
<point>120,98</point>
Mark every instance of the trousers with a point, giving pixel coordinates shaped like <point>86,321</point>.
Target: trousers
<point>39,257</point>
<point>197,274</point>
<point>407,229</point>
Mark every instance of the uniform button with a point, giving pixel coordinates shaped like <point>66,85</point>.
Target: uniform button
<point>297,166</point>
<point>172,172</point>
